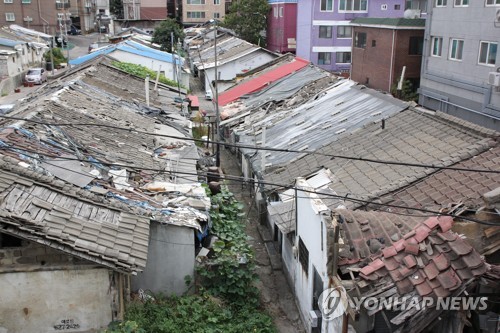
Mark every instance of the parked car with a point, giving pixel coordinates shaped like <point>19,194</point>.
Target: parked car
<point>36,75</point>
<point>74,31</point>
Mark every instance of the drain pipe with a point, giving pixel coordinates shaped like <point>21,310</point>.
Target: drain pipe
<point>41,18</point>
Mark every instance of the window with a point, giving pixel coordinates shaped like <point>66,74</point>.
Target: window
<point>343,57</point>
<point>456,49</point>
<point>7,1</point>
<point>10,17</point>
<point>216,2</point>
<point>326,5</point>
<point>374,43</point>
<point>344,31</point>
<point>416,45</point>
<point>353,5</point>
<point>488,53</point>
<point>325,31</point>
<point>281,11</point>
<point>304,256</point>
<point>397,7</point>
<point>492,2</point>
<point>461,3</point>
<point>216,15</point>
<point>441,3</point>
<point>437,46</point>
<point>195,2</point>
<point>360,40</point>
<point>324,58</point>
<point>26,1</point>
<point>275,11</point>
<point>195,15</point>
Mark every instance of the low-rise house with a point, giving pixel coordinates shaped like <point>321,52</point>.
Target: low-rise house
<point>353,179</point>
<point>16,57</point>
<point>110,199</point>
<point>385,256</point>
<point>234,56</point>
<point>383,47</point>
<point>170,65</point>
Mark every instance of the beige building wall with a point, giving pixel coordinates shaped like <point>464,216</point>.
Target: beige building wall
<point>199,11</point>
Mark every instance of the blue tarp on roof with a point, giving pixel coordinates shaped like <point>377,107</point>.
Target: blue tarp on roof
<point>130,47</point>
<point>10,42</point>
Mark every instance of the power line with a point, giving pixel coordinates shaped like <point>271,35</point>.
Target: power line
<point>284,186</point>
<point>311,152</point>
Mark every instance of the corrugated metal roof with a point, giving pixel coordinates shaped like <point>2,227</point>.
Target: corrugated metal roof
<point>342,108</point>
<point>130,47</point>
<point>261,81</point>
<point>275,92</point>
<point>10,42</point>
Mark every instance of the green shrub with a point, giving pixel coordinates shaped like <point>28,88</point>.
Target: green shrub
<point>142,71</point>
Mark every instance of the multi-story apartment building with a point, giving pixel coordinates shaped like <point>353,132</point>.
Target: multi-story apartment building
<point>282,26</point>
<point>52,16</point>
<point>461,60</point>
<point>145,9</point>
<point>47,16</point>
<point>324,33</point>
<point>199,11</point>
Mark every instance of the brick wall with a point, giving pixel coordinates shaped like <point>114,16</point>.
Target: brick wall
<point>372,65</point>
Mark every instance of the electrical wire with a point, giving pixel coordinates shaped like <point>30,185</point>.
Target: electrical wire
<point>276,186</point>
<point>240,146</point>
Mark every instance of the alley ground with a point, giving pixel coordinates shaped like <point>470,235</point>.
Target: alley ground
<point>276,295</point>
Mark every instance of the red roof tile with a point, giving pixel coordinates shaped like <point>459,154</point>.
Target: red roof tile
<point>447,236</point>
<point>449,279</point>
<point>411,248</point>
<point>261,81</point>
<point>465,274</point>
<point>389,252</point>
<point>472,260</point>
<point>431,222</point>
<point>445,222</point>
<point>423,289</point>
<point>404,286</point>
<point>431,270</point>
<point>441,292</point>
<point>399,245</point>
<point>422,232</point>
<point>459,246</point>
<point>441,262</point>
<point>410,261</point>
<point>392,263</point>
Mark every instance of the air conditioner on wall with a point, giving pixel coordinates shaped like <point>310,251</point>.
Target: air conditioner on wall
<point>494,79</point>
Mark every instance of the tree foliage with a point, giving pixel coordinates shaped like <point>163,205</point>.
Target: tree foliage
<point>248,18</point>
<point>116,8</point>
<point>162,34</point>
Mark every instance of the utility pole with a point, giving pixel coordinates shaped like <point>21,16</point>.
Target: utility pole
<point>217,115</point>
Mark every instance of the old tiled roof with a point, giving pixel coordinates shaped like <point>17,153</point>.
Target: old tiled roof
<point>87,156</point>
<point>447,187</point>
<point>73,220</point>
<point>430,258</point>
<point>410,137</point>
<point>366,233</point>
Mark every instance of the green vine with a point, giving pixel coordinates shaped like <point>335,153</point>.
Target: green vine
<point>230,273</point>
<point>142,72</point>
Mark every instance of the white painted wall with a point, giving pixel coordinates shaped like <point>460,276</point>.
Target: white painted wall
<point>312,230</point>
<point>229,70</point>
<point>34,302</point>
<point>166,67</point>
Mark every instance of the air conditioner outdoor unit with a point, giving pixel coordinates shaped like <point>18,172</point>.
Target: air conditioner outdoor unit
<point>494,79</point>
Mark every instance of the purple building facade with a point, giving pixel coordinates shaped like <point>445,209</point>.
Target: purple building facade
<point>324,34</point>
<point>282,26</point>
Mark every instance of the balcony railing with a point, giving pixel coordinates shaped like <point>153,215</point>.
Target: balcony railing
<point>63,4</point>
